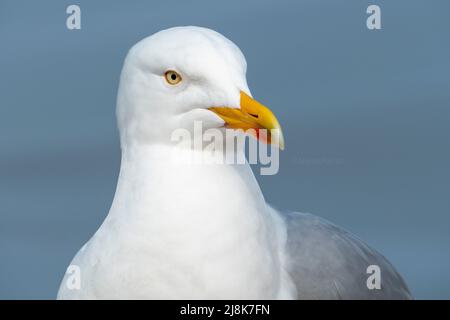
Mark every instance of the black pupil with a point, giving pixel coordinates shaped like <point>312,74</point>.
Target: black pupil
<point>173,76</point>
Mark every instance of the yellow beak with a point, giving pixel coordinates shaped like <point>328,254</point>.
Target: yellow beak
<point>252,117</point>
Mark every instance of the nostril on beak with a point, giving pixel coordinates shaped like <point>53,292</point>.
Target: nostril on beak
<point>254,115</point>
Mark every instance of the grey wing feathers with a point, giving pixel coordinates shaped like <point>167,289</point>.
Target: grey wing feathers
<point>327,262</point>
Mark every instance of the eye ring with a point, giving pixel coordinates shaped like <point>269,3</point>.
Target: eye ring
<point>172,77</point>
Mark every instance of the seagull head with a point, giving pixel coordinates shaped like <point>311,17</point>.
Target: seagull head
<point>182,75</point>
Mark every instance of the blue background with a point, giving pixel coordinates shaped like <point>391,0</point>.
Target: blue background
<point>365,115</point>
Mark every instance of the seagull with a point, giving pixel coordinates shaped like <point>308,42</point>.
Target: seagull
<point>177,230</point>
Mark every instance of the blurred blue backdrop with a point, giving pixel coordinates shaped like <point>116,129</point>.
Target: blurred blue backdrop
<point>365,115</point>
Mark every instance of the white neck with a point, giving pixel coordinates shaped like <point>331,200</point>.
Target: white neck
<point>211,218</point>
<point>172,178</point>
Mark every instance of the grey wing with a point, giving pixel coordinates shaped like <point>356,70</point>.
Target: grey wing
<point>326,262</point>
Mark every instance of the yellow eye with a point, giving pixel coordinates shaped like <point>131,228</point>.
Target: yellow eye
<point>172,77</point>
